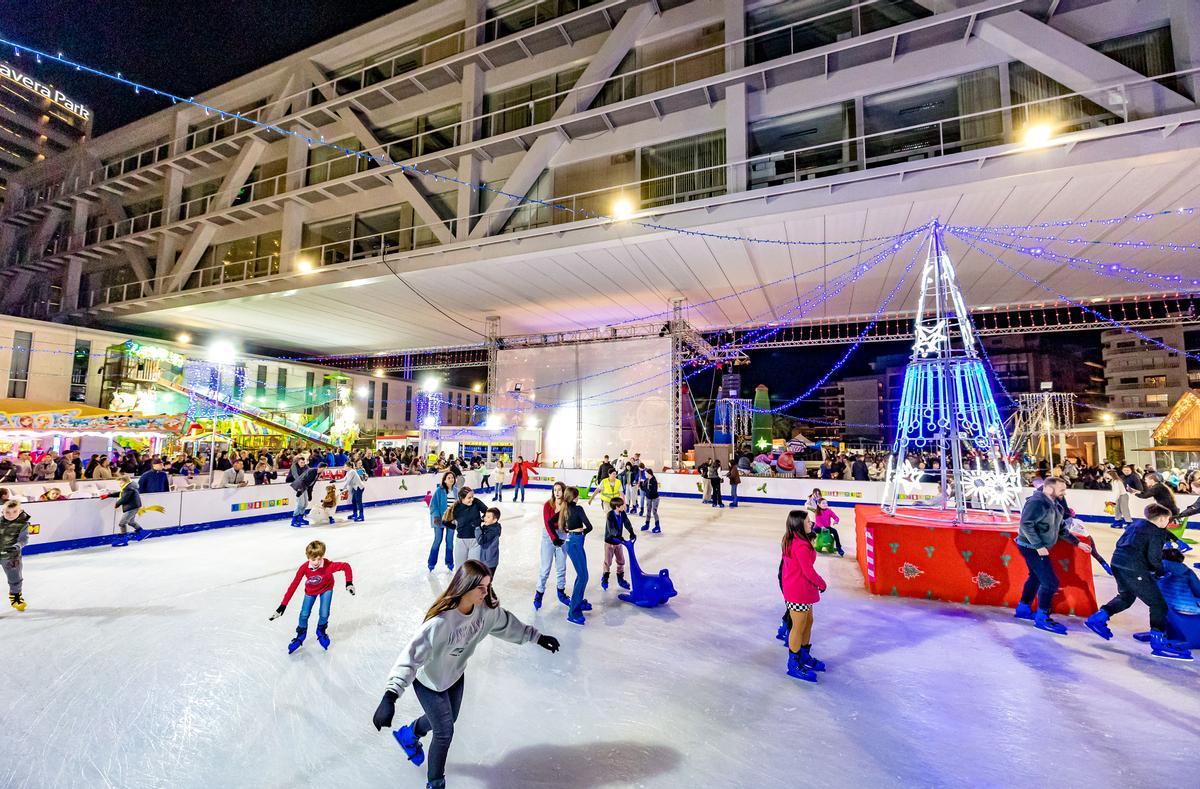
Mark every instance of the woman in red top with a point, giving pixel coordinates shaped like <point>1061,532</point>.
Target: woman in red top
<point>552,554</point>
<point>317,574</point>
<point>520,475</point>
<point>802,588</point>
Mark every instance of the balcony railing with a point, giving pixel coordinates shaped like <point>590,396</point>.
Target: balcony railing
<point>659,76</point>
<point>921,141</point>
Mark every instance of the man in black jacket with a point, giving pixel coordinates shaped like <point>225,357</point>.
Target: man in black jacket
<point>1041,527</point>
<point>302,480</point>
<point>1136,562</point>
<point>858,470</point>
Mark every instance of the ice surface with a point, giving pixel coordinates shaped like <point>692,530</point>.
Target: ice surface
<point>155,666</point>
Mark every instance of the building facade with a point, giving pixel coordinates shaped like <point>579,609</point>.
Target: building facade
<point>37,121</point>
<point>585,106</point>
<point>1140,375</point>
<point>43,362</point>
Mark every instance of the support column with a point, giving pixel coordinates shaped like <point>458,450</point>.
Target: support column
<point>736,115</point>
<point>468,166</point>
<point>72,276</point>
<point>1185,42</point>
<point>1101,447</point>
<point>492,331</point>
<point>1062,447</point>
<point>291,236</point>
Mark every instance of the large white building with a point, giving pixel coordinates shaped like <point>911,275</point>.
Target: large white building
<point>799,120</point>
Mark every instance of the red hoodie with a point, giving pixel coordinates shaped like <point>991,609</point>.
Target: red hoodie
<point>522,470</point>
<point>801,581</point>
<point>317,581</point>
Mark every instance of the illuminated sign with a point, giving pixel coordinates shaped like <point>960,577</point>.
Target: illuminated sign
<point>154,352</point>
<point>42,89</point>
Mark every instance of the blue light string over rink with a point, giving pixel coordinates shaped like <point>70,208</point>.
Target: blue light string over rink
<point>1141,216</point>
<point>1161,246</point>
<point>1112,322</point>
<point>853,276</point>
<point>1134,276</point>
<point>385,162</point>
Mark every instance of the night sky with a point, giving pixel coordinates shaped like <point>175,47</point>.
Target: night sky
<point>182,47</point>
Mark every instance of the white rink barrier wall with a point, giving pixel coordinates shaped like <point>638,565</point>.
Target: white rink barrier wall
<point>80,523</point>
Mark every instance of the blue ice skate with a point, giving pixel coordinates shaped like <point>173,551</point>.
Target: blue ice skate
<point>411,745</point>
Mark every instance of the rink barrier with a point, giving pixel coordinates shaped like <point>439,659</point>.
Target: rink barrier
<point>84,523</point>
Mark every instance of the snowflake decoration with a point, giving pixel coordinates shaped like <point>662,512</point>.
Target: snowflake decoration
<point>910,570</point>
<point>990,489</point>
<point>908,477</point>
<point>985,581</point>
<point>930,338</point>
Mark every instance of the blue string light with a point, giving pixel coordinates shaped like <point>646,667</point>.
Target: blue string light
<point>1133,276</point>
<point>1141,216</point>
<point>1112,322</point>
<point>1161,246</point>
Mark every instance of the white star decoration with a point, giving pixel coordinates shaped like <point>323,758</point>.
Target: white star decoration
<point>990,488</point>
<point>930,338</point>
<point>908,477</point>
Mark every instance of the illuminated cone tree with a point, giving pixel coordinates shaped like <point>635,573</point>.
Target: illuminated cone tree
<point>947,412</point>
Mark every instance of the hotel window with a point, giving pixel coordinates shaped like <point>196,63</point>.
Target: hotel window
<point>18,368</point>
<point>803,145</point>
<point>1155,381</point>
<point>383,401</point>
<point>370,399</point>
<point>329,162</point>
<point>1156,399</point>
<point>524,105</point>
<point>310,383</point>
<point>923,121</point>
<point>281,384</point>
<point>683,170</point>
<point>79,370</point>
<point>260,383</point>
<point>408,404</point>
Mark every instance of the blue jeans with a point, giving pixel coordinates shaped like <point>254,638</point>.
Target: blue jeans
<point>306,609</point>
<point>519,490</point>
<point>733,495</point>
<point>356,503</point>
<point>551,556</point>
<point>579,562</point>
<point>438,532</point>
<point>301,504</point>
<point>498,489</point>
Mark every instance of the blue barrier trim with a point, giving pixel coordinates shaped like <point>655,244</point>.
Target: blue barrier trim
<point>109,539</point>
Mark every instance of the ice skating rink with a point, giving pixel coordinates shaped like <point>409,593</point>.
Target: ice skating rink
<point>155,666</point>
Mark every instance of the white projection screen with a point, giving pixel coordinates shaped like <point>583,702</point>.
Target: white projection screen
<point>591,399</point>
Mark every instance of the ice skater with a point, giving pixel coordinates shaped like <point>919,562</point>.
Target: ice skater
<point>466,514</point>
<point>1041,528</point>
<point>327,507</point>
<point>608,489</point>
<point>14,536</point>
<point>714,479</point>
<point>1136,562</point>
<point>553,553</point>
<point>489,540</point>
<point>129,502</point>
<point>574,521</point>
<point>357,486</point>
<point>650,491</point>
<point>317,574</point>
<point>434,664</point>
<point>438,504</point>
<point>616,521</point>
<point>1122,517</point>
<point>302,478</point>
<point>823,520</point>
<point>802,589</point>
<point>522,470</point>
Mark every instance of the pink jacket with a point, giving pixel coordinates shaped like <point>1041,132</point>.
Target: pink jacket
<point>801,583</point>
<point>824,517</point>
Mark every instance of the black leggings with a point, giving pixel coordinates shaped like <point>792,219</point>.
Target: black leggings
<point>441,711</point>
<point>1130,587</point>
<point>837,538</point>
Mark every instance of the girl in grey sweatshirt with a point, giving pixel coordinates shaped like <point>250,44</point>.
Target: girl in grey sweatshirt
<point>435,662</point>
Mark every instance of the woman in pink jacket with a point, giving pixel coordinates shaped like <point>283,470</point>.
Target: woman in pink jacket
<point>802,588</point>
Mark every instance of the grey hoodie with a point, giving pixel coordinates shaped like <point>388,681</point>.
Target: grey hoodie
<point>438,654</point>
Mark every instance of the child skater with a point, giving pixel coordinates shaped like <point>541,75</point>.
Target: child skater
<point>317,573</point>
<point>434,663</point>
<point>129,502</point>
<point>14,536</point>
<point>489,540</point>
<point>327,506</point>
<point>574,521</point>
<point>802,588</point>
<point>824,519</point>
<point>650,491</point>
<point>1136,561</point>
<point>617,520</point>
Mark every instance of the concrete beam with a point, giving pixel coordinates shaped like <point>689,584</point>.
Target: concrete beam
<point>1078,66</point>
<point>616,46</point>
<point>1185,41</point>
<point>72,274</point>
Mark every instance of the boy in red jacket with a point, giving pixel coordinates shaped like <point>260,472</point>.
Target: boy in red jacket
<point>317,574</point>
